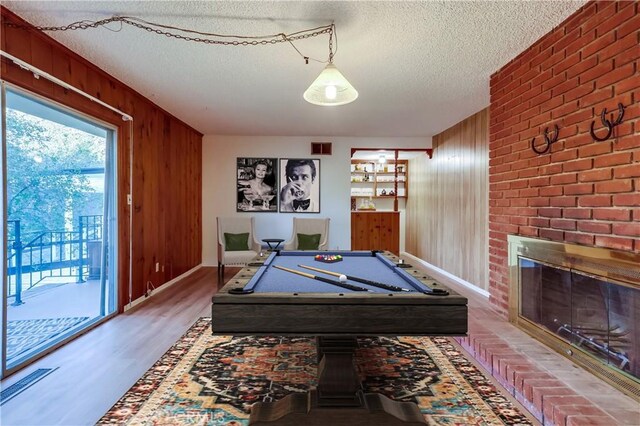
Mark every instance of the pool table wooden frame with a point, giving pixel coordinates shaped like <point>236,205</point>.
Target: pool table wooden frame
<point>339,313</point>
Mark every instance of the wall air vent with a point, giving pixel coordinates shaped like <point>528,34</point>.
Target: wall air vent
<point>321,148</point>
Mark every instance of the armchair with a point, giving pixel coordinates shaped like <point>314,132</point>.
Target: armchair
<point>231,249</point>
<point>309,227</point>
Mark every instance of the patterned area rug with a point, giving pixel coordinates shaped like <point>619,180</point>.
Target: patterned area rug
<point>24,335</point>
<point>214,380</point>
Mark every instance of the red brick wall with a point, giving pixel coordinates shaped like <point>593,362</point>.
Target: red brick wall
<point>582,191</point>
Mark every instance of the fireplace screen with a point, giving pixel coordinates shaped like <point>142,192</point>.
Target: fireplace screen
<point>597,315</point>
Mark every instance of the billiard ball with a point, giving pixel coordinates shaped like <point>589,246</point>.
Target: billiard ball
<point>342,278</point>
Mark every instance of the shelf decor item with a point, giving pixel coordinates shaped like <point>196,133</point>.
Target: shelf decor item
<point>366,204</point>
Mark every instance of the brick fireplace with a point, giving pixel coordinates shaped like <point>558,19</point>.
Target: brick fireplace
<point>581,191</point>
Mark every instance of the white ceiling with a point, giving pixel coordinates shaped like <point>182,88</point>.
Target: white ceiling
<point>419,66</point>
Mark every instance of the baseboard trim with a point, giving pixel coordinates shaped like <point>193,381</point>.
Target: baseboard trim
<point>163,287</point>
<point>452,277</point>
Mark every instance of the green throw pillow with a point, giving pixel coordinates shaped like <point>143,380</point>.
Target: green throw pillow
<point>236,242</point>
<point>308,242</point>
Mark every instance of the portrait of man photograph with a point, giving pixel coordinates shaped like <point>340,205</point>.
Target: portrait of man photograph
<point>299,185</point>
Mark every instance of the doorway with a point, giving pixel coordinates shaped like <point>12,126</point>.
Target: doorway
<point>59,234</point>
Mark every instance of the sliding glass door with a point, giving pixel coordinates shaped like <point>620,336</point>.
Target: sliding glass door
<point>59,227</point>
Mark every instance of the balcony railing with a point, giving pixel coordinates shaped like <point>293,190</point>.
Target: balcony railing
<point>46,254</point>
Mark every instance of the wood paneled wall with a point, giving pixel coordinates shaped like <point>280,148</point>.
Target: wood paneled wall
<point>166,165</point>
<point>447,212</point>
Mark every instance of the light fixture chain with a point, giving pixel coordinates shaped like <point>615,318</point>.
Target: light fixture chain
<point>331,43</point>
<point>248,40</point>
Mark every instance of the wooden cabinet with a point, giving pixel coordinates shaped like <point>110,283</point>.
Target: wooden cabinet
<point>375,231</point>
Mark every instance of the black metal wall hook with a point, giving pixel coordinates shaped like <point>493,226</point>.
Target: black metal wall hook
<point>610,125</point>
<point>548,140</point>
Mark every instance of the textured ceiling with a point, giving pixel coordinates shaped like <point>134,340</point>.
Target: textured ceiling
<point>419,67</point>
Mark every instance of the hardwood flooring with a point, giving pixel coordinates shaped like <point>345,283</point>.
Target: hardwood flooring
<point>97,368</point>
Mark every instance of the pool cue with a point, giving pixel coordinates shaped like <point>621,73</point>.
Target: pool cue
<point>323,279</point>
<point>358,279</point>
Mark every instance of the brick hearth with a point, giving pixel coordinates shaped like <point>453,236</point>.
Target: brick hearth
<point>551,387</point>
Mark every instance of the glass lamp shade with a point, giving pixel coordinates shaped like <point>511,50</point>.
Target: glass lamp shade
<point>330,88</point>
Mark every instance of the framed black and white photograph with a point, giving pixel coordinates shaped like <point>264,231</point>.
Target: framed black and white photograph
<point>257,185</point>
<point>299,185</point>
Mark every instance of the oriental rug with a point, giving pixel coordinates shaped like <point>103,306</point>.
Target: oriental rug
<point>214,380</point>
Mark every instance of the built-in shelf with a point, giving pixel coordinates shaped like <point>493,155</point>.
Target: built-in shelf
<point>379,177</point>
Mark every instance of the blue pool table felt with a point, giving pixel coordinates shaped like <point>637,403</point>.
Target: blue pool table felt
<point>360,264</point>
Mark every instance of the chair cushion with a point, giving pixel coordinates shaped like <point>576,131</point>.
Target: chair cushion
<point>236,242</point>
<point>308,242</point>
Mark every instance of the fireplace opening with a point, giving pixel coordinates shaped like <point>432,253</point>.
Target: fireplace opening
<point>590,313</point>
<point>584,302</point>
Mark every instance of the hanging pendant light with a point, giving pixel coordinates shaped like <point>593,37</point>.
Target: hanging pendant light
<point>330,88</point>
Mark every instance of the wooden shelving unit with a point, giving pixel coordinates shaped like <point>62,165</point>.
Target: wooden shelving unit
<point>379,228</point>
<point>378,180</point>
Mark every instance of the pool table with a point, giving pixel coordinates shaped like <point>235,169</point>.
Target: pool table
<point>264,299</point>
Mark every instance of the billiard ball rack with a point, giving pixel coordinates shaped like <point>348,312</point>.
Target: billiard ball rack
<point>327,258</point>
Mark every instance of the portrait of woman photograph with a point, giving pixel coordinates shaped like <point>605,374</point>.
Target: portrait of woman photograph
<point>257,185</point>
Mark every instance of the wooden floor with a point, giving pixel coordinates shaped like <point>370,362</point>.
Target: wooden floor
<point>96,369</point>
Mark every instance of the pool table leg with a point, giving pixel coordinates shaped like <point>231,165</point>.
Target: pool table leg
<point>338,381</point>
<point>338,399</point>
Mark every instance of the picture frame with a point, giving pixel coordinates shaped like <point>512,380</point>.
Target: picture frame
<point>299,189</point>
<point>256,184</point>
